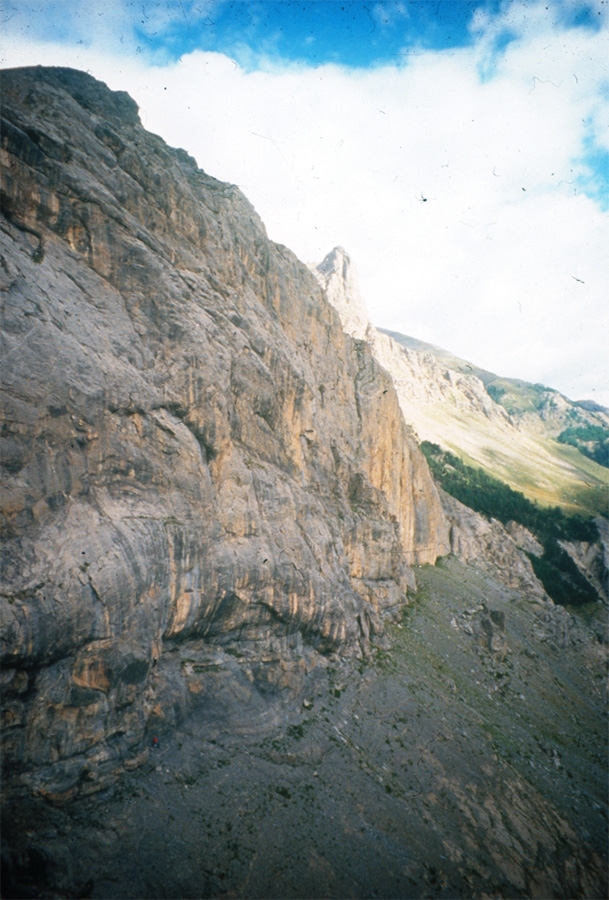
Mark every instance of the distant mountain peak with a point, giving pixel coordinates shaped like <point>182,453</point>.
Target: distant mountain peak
<point>337,275</point>
<point>505,425</point>
<point>335,259</point>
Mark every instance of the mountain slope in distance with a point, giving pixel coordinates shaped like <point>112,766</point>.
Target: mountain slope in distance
<point>507,426</point>
<point>514,394</point>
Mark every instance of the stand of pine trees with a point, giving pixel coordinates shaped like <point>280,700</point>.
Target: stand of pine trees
<point>559,575</point>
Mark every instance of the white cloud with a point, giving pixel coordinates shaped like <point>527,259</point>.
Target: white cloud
<point>387,14</point>
<point>110,26</point>
<point>460,197</point>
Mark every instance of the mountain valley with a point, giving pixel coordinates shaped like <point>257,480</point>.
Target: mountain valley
<point>255,643</point>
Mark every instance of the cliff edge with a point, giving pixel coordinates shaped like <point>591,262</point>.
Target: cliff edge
<point>207,487</point>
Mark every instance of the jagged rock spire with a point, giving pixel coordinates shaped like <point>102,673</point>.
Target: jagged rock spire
<point>337,275</point>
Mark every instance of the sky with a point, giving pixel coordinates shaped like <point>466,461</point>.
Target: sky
<point>458,151</point>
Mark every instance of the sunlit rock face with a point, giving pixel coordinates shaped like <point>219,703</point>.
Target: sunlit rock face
<point>421,383</point>
<point>444,401</point>
<point>338,277</point>
<point>207,486</point>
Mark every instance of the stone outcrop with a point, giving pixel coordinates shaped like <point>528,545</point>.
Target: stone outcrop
<point>592,559</point>
<point>338,277</point>
<point>490,547</point>
<point>524,539</point>
<point>206,485</point>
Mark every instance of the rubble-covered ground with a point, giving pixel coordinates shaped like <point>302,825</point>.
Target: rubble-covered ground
<point>468,760</point>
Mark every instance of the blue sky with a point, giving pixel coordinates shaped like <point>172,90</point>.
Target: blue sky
<point>336,118</point>
<point>342,32</point>
<point>354,33</point>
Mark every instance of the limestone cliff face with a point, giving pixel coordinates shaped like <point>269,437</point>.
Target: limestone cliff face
<point>206,484</point>
<point>338,277</point>
<point>423,384</point>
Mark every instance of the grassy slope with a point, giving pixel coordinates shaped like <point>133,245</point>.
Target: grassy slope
<point>527,457</point>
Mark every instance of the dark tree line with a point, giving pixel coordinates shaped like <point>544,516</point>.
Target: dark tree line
<point>489,496</point>
<point>591,440</point>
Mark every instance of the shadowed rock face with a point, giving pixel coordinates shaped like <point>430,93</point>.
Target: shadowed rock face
<point>207,486</point>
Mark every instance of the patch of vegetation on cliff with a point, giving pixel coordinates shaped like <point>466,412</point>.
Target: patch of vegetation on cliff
<point>495,392</point>
<point>517,397</point>
<point>591,440</point>
<point>492,498</point>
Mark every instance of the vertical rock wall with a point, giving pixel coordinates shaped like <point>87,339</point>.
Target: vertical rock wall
<point>205,483</point>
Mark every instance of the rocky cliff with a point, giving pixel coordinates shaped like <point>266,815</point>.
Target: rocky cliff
<point>446,401</point>
<point>454,404</point>
<point>212,506</point>
<point>494,549</point>
<point>592,559</point>
<point>207,486</point>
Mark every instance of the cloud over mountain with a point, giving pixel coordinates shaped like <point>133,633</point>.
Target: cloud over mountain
<point>469,182</point>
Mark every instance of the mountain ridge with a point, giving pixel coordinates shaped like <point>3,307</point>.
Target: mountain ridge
<point>486,376</point>
<point>249,646</point>
<point>190,445</point>
<point>507,426</point>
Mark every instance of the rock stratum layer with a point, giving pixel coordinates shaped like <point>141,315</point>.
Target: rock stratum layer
<point>201,472</point>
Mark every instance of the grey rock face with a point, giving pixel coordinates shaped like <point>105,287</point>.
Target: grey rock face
<point>524,539</point>
<point>200,472</point>
<point>487,544</point>
<point>592,559</point>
